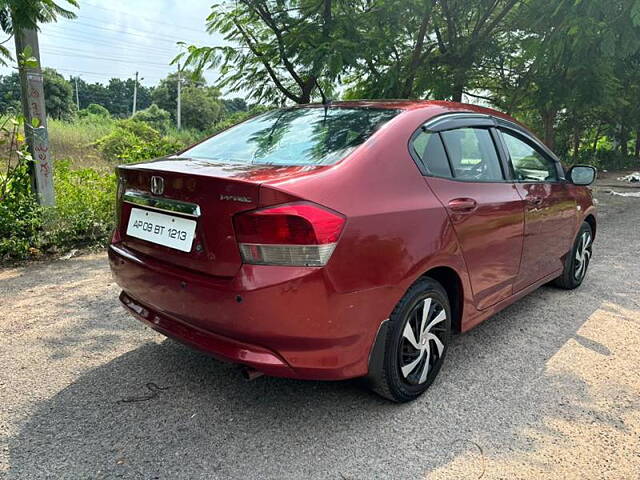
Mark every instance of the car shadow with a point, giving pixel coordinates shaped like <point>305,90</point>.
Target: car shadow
<point>163,410</point>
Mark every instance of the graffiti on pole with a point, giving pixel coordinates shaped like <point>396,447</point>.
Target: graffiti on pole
<point>40,138</point>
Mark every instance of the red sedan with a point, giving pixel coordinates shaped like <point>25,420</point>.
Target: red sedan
<point>348,240</point>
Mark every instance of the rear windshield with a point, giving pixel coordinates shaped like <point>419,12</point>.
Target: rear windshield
<point>297,136</point>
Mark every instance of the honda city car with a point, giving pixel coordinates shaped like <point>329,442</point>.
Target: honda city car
<point>350,239</point>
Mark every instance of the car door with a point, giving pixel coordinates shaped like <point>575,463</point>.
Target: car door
<point>550,207</point>
<point>465,172</point>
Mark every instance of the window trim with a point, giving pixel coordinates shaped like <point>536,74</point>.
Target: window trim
<point>456,120</point>
<point>532,143</point>
<point>482,125</point>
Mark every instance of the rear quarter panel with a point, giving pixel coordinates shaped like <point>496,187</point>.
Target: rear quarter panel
<point>396,228</point>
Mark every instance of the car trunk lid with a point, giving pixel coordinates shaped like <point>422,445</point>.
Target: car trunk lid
<point>204,192</point>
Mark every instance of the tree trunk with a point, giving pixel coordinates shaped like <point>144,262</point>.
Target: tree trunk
<point>549,121</point>
<point>576,143</point>
<point>624,141</point>
<point>307,88</point>
<point>458,89</point>
<point>594,147</point>
<point>637,152</point>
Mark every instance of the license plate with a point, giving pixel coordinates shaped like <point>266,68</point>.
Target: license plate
<point>167,230</point>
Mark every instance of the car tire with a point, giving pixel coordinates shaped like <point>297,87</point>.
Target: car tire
<point>411,360</point>
<point>577,261</point>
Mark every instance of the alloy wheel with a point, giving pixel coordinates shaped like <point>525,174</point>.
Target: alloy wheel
<point>422,341</point>
<point>583,255</point>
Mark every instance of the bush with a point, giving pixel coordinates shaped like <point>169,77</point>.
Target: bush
<point>20,214</point>
<point>606,160</point>
<point>95,110</point>
<point>84,211</point>
<point>135,141</point>
<point>83,214</point>
<point>155,117</point>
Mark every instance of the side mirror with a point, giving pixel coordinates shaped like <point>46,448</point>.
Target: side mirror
<point>582,175</point>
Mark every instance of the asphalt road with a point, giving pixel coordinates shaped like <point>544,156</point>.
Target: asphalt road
<point>549,388</point>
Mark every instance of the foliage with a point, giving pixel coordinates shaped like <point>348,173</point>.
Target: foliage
<point>155,117</point>
<point>233,105</point>
<point>84,211</point>
<point>116,96</point>
<point>9,94</point>
<point>83,214</point>
<point>568,68</point>
<point>58,95</point>
<point>605,159</point>
<point>75,140</point>
<point>237,117</point>
<point>93,109</point>
<point>166,92</point>
<point>20,215</point>
<point>200,108</point>
<point>134,141</point>
<point>16,15</point>
<point>282,49</point>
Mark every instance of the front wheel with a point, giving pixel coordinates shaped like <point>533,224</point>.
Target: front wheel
<point>416,342</point>
<point>578,259</point>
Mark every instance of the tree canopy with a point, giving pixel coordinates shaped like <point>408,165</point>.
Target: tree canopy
<point>16,15</point>
<point>568,67</point>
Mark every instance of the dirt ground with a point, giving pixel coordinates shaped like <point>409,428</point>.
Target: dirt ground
<point>549,388</point>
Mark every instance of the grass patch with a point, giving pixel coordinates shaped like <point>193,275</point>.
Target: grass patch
<point>75,141</point>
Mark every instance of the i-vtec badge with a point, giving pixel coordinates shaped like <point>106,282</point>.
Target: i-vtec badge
<point>235,198</point>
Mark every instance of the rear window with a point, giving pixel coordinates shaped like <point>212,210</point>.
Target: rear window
<point>297,136</point>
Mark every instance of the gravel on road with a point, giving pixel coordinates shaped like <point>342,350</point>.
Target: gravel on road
<point>549,388</point>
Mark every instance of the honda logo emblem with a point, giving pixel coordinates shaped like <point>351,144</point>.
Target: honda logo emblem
<point>157,185</point>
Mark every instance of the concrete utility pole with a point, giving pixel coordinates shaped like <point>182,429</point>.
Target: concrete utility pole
<point>77,95</point>
<point>35,126</point>
<point>179,109</point>
<point>135,95</point>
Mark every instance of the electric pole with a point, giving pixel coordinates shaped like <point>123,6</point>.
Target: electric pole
<point>135,95</point>
<point>77,95</point>
<point>179,109</point>
<point>35,125</point>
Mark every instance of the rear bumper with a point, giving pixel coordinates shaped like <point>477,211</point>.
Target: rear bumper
<point>282,321</point>
<point>216,345</point>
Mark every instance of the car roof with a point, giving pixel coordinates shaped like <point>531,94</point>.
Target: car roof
<point>438,107</point>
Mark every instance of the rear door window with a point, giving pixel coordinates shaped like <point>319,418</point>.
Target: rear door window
<point>472,155</point>
<point>429,148</point>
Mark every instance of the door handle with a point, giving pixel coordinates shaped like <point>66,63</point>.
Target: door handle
<point>535,201</point>
<point>463,205</point>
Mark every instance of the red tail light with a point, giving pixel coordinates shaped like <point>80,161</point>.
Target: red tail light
<point>297,234</point>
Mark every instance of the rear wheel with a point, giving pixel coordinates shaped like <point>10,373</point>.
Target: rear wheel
<point>577,261</point>
<point>416,342</point>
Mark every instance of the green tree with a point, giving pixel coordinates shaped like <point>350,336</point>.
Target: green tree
<point>558,64</point>
<point>200,108</point>
<point>234,105</point>
<point>166,93</point>
<point>280,49</point>
<point>120,101</point>
<point>58,95</point>
<point>10,93</point>
<point>16,15</point>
